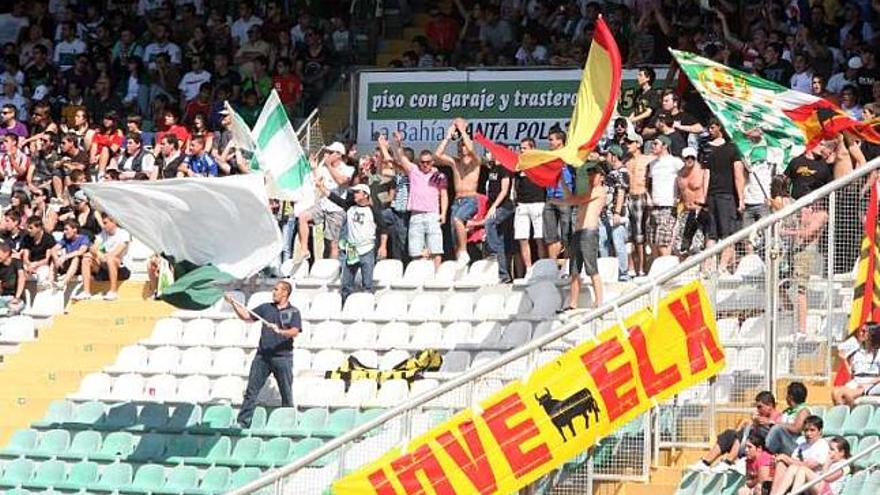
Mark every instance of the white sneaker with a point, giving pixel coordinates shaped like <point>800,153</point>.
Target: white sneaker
<point>720,468</point>
<point>463,259</point>
<point>699,467</point>
<point>739,466</point>
<point>97,297</point>
<point>111,296</point>
<point>82,296</point>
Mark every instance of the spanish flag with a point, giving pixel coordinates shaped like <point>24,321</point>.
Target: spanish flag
<point>866,291</point>
<point>596,99</point>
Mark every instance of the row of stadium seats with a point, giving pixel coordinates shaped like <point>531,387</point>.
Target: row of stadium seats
<point>55,476</point>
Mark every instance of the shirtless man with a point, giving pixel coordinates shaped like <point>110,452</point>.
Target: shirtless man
<point>638,198</point>
<point>585,239</point>
<point>689,227</point>
<point>465,175</point>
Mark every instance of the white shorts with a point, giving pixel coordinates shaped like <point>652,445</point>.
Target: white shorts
<point>528,216</point>
<point>864,383</point>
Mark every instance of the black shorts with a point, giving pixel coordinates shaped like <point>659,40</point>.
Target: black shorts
<point>103,274</point>
<point>584,252</point>
<point>727,438</point>
<point>723,214</point>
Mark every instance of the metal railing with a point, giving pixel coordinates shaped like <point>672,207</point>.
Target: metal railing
<point>472,384</point>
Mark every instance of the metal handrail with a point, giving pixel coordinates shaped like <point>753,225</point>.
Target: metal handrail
<point>613,305</point>
<point>822,477</point>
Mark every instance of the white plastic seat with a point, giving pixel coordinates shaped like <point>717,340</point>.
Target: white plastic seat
<point>161,388</point>
<point>324,271</point>
<point>327,360</point>
<point>481,273</point>
<point>46,303</point>
<point>728,329</point>
<point>447,274</point>
<point>427,336</point>
<point>663,264</point>
<point>197,332</point>
<point>230,332</point>
<point>545,298</point>
<point>516,334</point>
<point>752,330</point>
<point>367,357</point>
<point>324,306</point>
<point>484,388</point>
<point>517,304</point>
<point>258,298</point>
<point>163,359</point>
<point>325,393</point>
<point>253,330</point>
<point>394,334</point>
<point>226,388</point>
<point>302,359</point>
<point>486,334</point>
<point>166,332</point>
<point>608,269</point>
<point>127,386</point>
<point>228,361</point>
<point>490,307</point>
<point>326,334</point>
<point>361,393</point>
<point>357,306</point>
<point>361,335</point>
<point>455,362</point>
<point>424,307</point>
<point>392,393</point>
<point>421,386</point>
<point>269,395</point>
<point>751,268</point>
<point>456,334</point>
<point>542,270</point>
<point>387,271</point>
<point>417,273</point>
<point>303,389</point>
<point>194,360</point>
<point>545,357</point>
<point>94,386</point>
<point>459,307</point>
<point>18,328</point>
<point>750,359</point>
<point>130,358</point>
<point>392,358</point>
<point>390,306</point>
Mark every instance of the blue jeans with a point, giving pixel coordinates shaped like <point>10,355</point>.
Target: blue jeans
<point>496,239</point>
<point>397,221</point>
<point>365,264</point>
<point>278,365</point>
<point>781,441</point>
<point>288,232</point>
<point>615,235</point>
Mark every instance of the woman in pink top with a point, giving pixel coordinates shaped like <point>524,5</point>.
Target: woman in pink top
<point>759,466</point>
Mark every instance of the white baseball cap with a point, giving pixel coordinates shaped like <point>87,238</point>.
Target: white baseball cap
<point>855,63</point>
<point>336,147</point>
<point>362,188</point>
<point>688,152</point>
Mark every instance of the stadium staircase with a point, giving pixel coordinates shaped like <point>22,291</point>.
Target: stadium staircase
<point>72,345</point>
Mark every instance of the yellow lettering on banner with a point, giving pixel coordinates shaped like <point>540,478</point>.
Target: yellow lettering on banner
<point>529,428</point>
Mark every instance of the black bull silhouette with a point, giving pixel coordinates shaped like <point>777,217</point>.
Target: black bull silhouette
<point>563,412</point>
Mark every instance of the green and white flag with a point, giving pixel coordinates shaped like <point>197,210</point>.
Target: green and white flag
<point>277,153</point>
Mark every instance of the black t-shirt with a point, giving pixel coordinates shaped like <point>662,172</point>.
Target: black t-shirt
<point>90,227</point>
<point>527,191</point>
<point>807,175</point>
<point>720,163</point>
<point>9,276</point>
<point>780,72</point>
<point>270,342</point>
<point>230,79</point>
<point>169,170</point>
<point>13,241</point>
<point>870,150</point>
<point>678,144</point>
<point>38,249</point>
<point>647,99</point>
<point>865,83</point>
<point>494,176</point>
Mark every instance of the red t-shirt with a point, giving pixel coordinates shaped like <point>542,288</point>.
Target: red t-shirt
<point>763,459</point>
<point>443,33</point>
<point>178,131</point>
<point>106,140</point>
<point>289,88</point>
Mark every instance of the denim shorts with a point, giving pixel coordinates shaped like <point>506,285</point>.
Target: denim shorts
<point>424,232</point>
<point>464,208</point>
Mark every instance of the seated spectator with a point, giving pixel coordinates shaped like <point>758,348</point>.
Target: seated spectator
<point>105,260</point>
<point>810,453</point>
<point>198,163</point>
<point>14,166</point>
<point>783,435</point>
<point>835,468</point>
<point>35,249</point>
<point>759,467</point>
<point>12,280</point>
<point>67,254</point>
<point>730,442</point>
<point>106,143</point>
<point>11,233</point>
<point>863,364</point>
<point>170,158</point>
<point>135,159</point>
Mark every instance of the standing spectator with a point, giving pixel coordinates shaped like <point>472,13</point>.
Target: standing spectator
<point>500,210</point>
<point>35,249</point>
<point>66,256</point>
<point>494,31</point>
<point>530,51</point>
<point>12,280</point>
<point>14,165</point>
<point>662,178</point>
<point>246,20</point>
<point>465,175</point>
<point>397,216</point>
<point>69,47</point>
<point>849,102</point>
<point>105,260</point>
<point>585,239</point>
<point>664,125</point>
<point>336,176</point>
<point>869,74</point>
<point>199,163</point>
<point>691,224</point>
<point>443,29</point>
<point>637,166</point>
<point>557,215</point>
<point>776,68</point>
<point>802,79</point>
<point>363,226</point>
<point>103,100</point>
<point>193,80</point>
<point>126,48</point>
<point>847,77</point>
<point>613,228</point>
<point>528,220</point>
<point>40,72</point>
<point>12,96</point>
<point>313,68</point>
<point>161,44</point>
<point>281,322</point>
<point>223,75</point>
<point>725,200</point>
<point>427,203</point>
<point>647,98</point>
<point>762,165</point>
<point>287,84</point>
<point>683,122</point>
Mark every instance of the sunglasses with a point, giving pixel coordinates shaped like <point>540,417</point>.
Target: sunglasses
<point>426,161</point>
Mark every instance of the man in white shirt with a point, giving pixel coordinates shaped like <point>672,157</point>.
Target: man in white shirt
<point>68,48</point>
<point>335,176</point>
<point>246,19</point>
<point>191,81</point>
<point>161,45</point>
<point>105,260</point>
<point>662,176</point>
<point>530,52</point>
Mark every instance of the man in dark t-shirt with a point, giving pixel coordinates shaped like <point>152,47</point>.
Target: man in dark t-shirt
<point>497,185</point>
<point>807,173</point>
<point>724,196</point>
<point>12,279</point>
<point>35,250</point>
<point>281,323</point>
